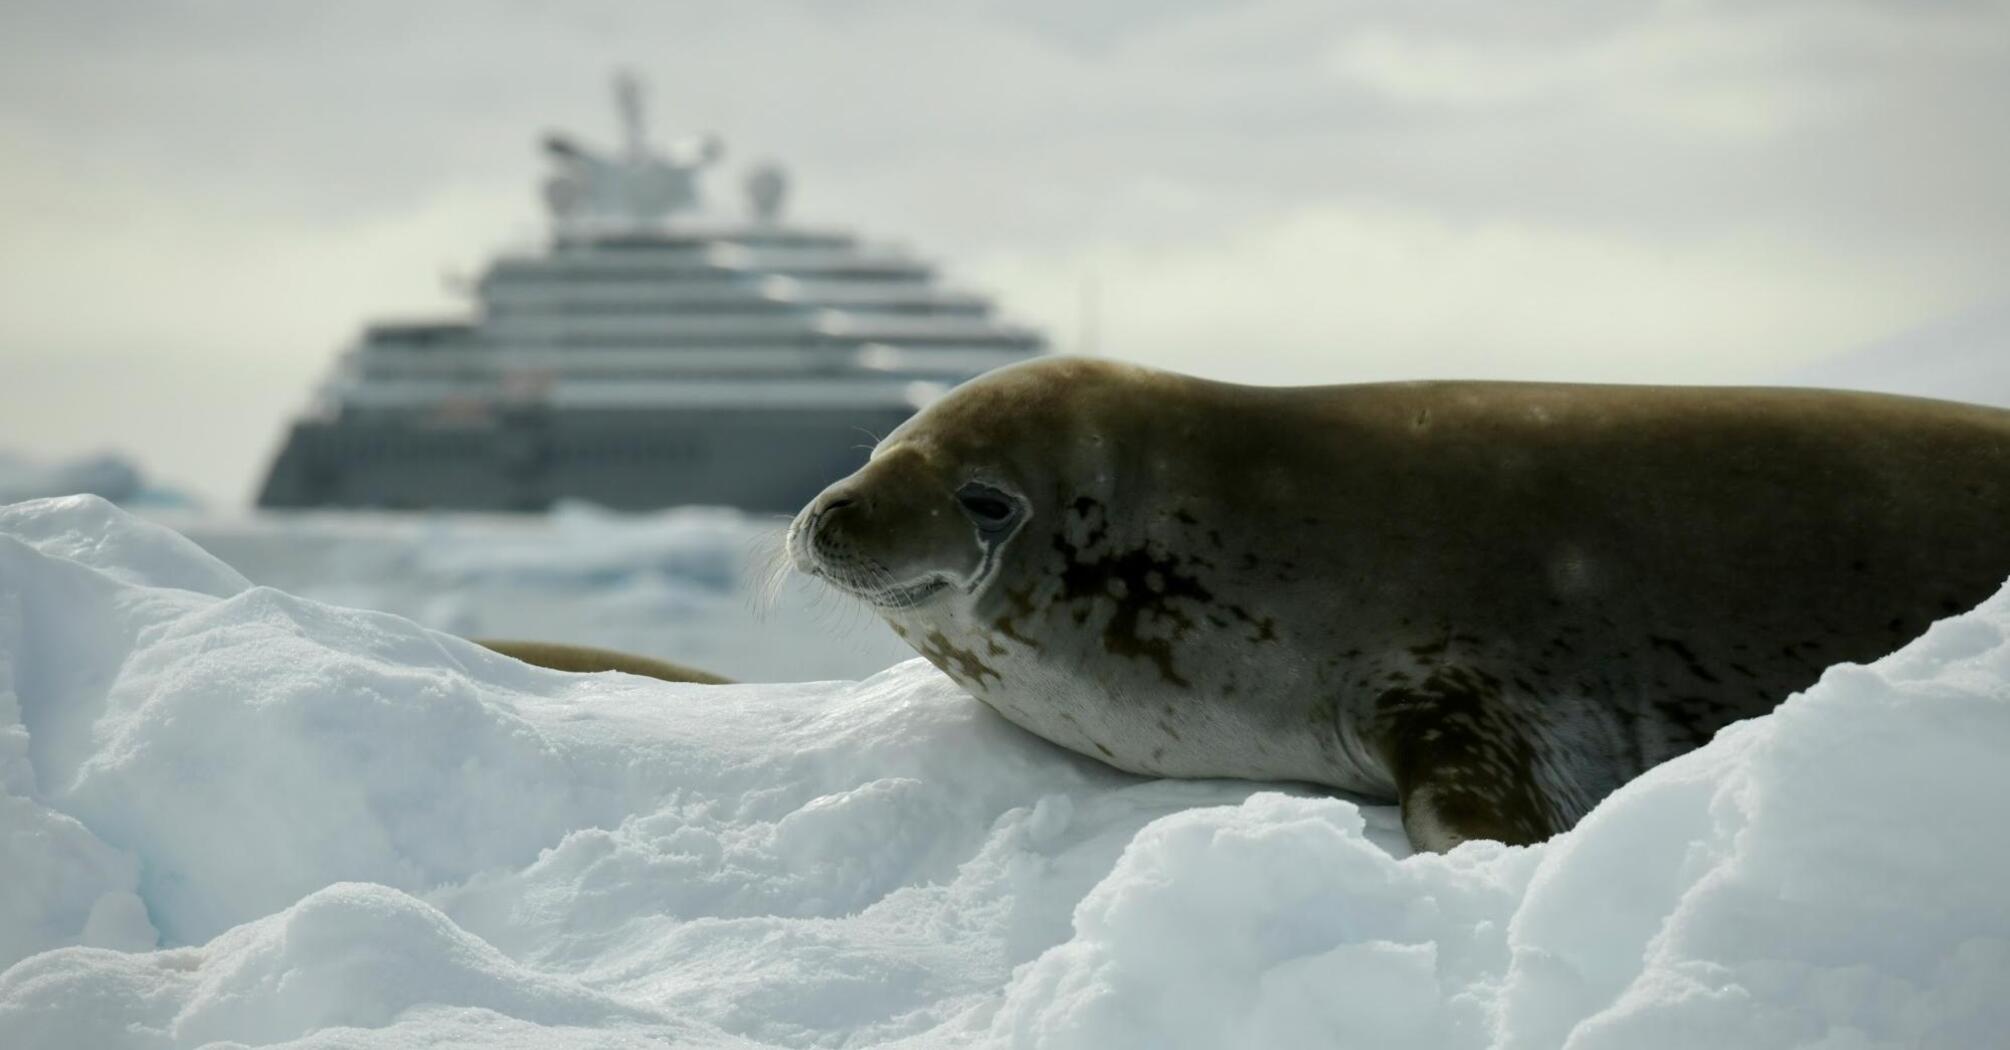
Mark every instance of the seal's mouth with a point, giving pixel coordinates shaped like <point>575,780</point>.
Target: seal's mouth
<point>871,583</point>
<point>906,596</point>
<point>875,591</point>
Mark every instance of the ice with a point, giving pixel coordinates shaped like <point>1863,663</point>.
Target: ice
<point>1273,924</point>
<point>109,476</point>
<point>234,816</point>
<point>114,477</point>
<point>694,585</point>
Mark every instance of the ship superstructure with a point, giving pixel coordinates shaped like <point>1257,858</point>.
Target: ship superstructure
<point>655,354</point>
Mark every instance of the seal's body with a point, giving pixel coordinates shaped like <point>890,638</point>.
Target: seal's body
<point>1492,602</point>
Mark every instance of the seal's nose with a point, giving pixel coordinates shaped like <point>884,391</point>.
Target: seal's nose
<point>831,504</point>
<point>824,512</point>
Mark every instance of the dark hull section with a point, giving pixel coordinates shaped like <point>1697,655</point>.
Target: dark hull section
<point>765,461</point>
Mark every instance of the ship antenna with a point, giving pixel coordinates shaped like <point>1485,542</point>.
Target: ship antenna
<point>628,102</point>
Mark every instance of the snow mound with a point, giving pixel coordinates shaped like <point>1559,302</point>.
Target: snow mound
<point>236,817</point>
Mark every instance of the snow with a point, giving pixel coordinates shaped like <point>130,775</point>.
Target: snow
<point>699,586</point>
<point>233,816</point>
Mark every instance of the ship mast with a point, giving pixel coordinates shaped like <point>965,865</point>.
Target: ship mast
<point>628,103</point>
<point>631,190</point>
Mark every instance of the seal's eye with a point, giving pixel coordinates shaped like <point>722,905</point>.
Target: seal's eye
<point>987,508</point>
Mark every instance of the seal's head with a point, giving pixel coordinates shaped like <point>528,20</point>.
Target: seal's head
<point>933,518</point>
<point>910,527</point>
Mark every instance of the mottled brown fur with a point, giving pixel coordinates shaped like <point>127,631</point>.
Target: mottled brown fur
<point>1510,597</point>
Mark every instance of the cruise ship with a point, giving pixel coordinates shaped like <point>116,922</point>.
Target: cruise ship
<point>655,353</point>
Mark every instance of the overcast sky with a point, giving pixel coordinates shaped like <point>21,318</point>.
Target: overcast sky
<point>203,202</point>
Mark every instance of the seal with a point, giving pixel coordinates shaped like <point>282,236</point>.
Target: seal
<point>586,659</point>
<point>1492,603</point>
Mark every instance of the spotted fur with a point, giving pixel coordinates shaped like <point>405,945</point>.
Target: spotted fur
<point>1491,603</point>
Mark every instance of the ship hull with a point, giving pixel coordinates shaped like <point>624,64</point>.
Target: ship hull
<point>761,460</point>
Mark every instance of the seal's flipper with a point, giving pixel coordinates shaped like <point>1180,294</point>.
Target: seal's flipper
<point>1463,770</point>
<point>585,659</point>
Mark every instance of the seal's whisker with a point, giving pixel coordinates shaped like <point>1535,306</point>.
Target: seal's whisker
<point>837,610</point>
<point>779,570</point>
<point>769,567</point>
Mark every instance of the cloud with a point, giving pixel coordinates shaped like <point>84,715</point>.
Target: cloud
<point>1285,190</point>
<point>1340,293</point>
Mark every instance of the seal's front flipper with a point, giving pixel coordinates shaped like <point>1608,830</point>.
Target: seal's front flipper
<point>586,659</point>
<point>1463,770</point>
<point>1440,811</point>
